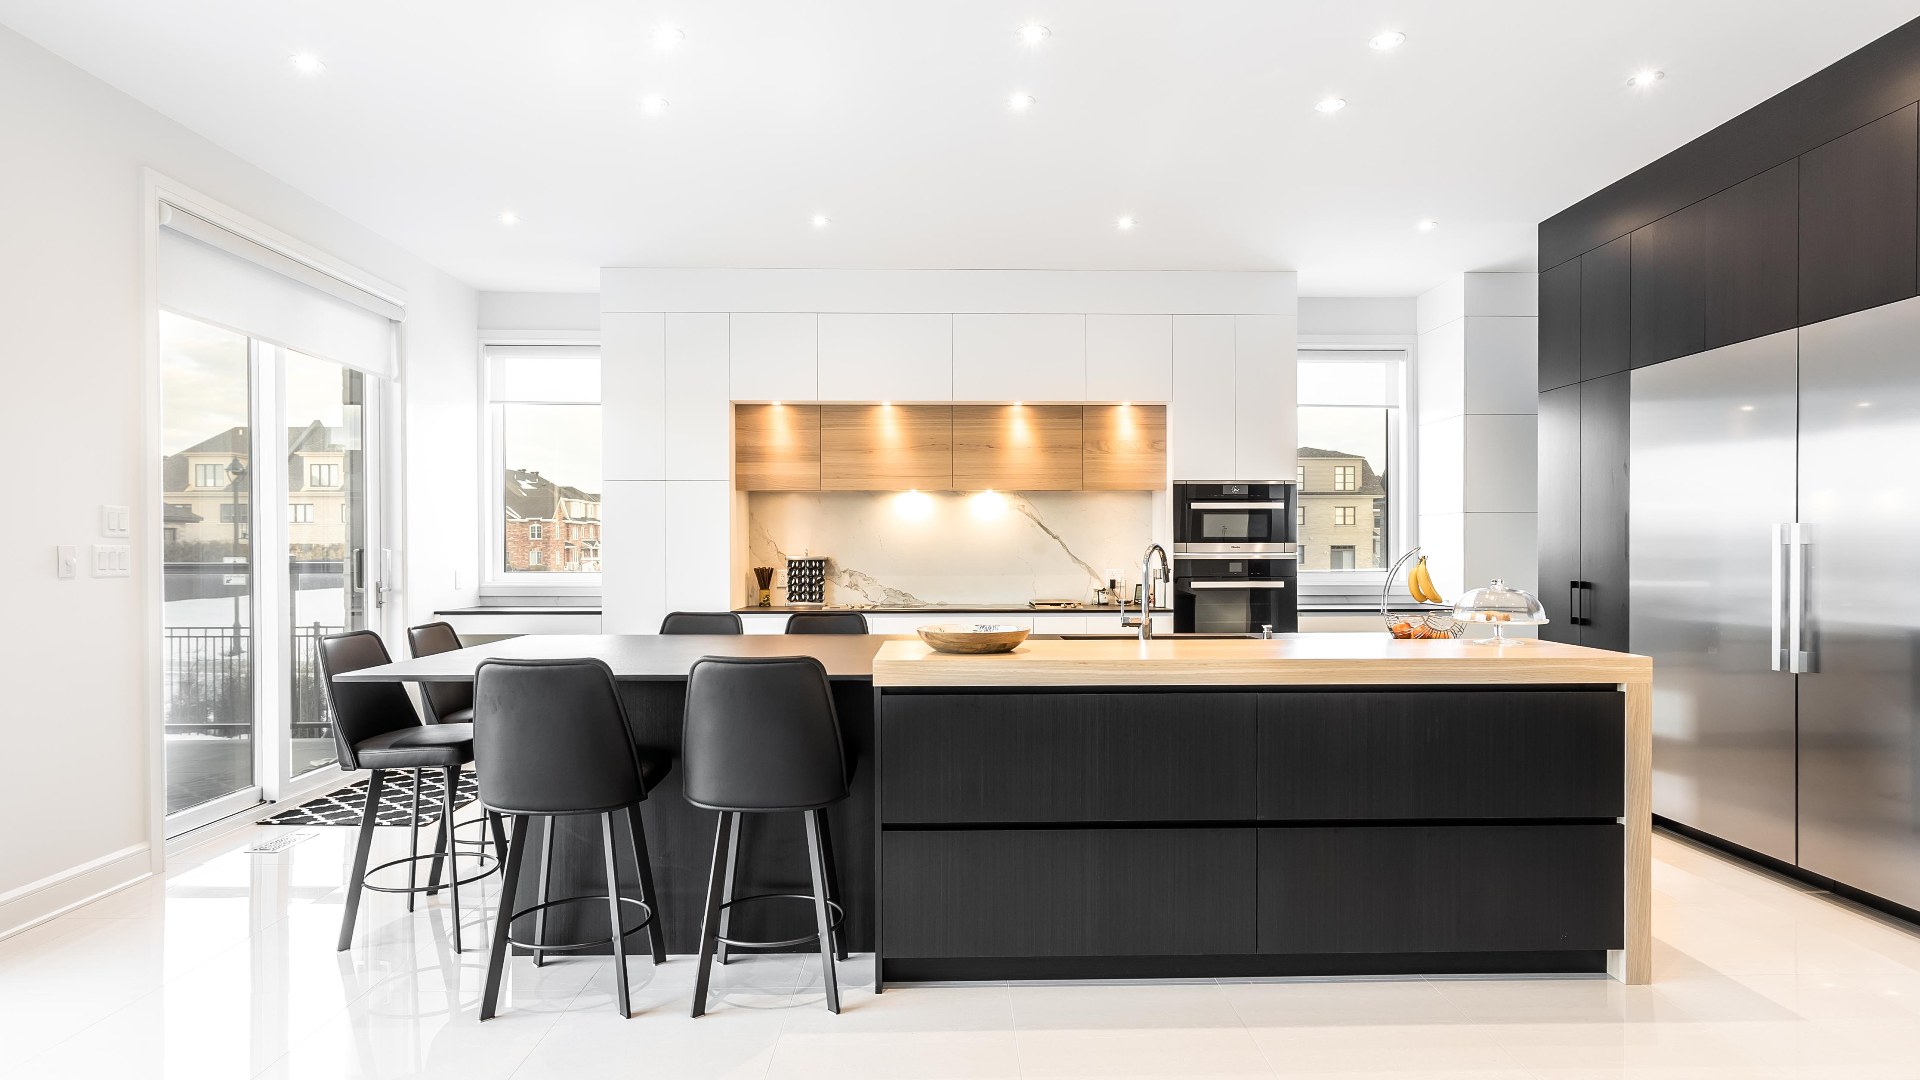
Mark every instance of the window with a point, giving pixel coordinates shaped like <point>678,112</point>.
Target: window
<point>211,476</point>
<point>326,476</point>
<point>235,514</point>
<point>1349,456</point>
<point>1300,477</point>
<point>543,418</point>
<point>300,513</point>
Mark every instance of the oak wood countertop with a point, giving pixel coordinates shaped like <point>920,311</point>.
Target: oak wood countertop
<point>1294,660</point>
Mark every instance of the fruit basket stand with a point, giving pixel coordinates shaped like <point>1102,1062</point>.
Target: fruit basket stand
<point>1433,620</point>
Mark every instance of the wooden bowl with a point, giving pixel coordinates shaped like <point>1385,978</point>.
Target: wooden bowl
<point>973,637</point>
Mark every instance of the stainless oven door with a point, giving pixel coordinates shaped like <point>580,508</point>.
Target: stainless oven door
<point>1234,607</point>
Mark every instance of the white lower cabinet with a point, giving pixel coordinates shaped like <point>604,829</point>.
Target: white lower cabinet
<point>1059,624</point>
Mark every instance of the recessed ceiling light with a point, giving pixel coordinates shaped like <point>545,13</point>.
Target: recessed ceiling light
<point>1019,102</point>
<point>668,37</point>
<point>1642,80</point>
<point>1125,223</point>
<point>821,221</point>
<point>1034,33</point>
<point>306,63</point>
<point>1330,105</point>
<point>508,217</point>
<point>654,104</point>
<point>1428,226</point>
<point>1388,40</point>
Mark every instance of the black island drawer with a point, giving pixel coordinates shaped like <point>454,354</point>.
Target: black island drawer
<point>1441,889</point>
<point>1067,892</point>
<point>988,758</point>
<point>1438,753</point>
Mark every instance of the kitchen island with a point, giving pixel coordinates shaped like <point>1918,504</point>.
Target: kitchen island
<point>1319,804</point>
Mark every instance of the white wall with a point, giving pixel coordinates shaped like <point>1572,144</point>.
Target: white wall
<point>513,312</point>
<point>71,299</point>
<point>1324,316</point>
<point>678,346</point>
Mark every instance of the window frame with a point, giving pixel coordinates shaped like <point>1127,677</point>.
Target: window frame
<point>1361,588</point>
<point>495,580</point>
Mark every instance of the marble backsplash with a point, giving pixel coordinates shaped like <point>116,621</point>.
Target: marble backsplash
<point>915,548</point>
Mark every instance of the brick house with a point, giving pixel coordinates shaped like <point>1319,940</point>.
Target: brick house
<point>550,527</point>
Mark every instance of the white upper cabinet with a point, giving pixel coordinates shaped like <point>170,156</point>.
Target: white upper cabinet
<point>775,356</point>
<point>1019,358</point>
<point>1200,420</point>
<point>1129,358</point>
<point>886,357</point>
<point>1266,395</point>
<point>699,422</point>
<point>633,395</point>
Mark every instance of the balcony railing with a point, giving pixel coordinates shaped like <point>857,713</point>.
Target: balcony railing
<point>209,684</point>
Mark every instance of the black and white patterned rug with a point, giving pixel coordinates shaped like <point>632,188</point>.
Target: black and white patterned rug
<point>345,805</point>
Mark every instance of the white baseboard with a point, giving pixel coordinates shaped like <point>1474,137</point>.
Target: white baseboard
<point>56,894</point>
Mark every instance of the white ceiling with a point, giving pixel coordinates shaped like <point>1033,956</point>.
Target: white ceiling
<point>890,116</point>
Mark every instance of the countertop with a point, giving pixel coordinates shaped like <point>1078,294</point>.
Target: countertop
<point>637,657</point>
<point>953,609</point>
<point>1298,659</point>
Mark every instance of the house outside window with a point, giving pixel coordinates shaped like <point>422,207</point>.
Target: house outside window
<point>1346,478</point>
<point>210,475</point>
<point>300,513</point>
<point>543,418</point>
<point>326,475</point>
<point>1343,515</point>
<point>533,557</point>
<point>1350,426</point>
<point>534,530</point>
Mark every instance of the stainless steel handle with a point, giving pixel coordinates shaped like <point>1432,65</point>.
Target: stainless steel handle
<point>1776,599</point>
<point>1237,506</point>
<point>1236,585</point>
<point>1799,657</point>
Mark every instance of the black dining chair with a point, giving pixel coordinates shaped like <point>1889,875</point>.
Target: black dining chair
<point>826,622</point>
<point>451,703</point>
<point>551,740</point>
<point>760,736</point>
<point>376,729</point>
<point>702,622</point>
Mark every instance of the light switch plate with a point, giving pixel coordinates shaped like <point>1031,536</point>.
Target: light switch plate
<point>112,560</point>
<point>115,521</point>
<point>66,561</point>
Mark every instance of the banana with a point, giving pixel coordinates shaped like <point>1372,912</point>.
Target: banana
<point>1420,583</point>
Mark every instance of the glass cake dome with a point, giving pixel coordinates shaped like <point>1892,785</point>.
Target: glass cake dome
<point>1500,606</point>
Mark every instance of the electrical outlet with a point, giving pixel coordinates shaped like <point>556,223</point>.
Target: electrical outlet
<point>112,560</point>
<point>115,521</point>
<point>66,561</point>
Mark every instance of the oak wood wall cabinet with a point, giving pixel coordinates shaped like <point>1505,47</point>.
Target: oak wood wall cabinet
<point>1016,447</point>
<point>886,447</point>
<point>1124,448</point>
<point>776,447</point>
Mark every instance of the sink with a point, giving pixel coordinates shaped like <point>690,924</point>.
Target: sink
<point>1158,636</point>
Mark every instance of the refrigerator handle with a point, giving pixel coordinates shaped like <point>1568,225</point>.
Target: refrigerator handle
<point>1573,604</point>
<point>1777,598</point>
<point>1800,657</point>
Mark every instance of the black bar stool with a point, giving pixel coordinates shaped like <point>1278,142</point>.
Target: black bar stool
<point>702,622</point>
<point>761,737</point>
<point>826,622</point>
<point>552,740</point>
<point>451,703</point>
<point>376,728</point>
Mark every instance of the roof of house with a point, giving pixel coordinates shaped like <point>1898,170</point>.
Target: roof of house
<point>530,496</point>
<point>311,438</point>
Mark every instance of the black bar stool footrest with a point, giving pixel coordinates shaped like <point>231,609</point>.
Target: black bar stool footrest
<point>625,931</point>
<point>839,916</point>
<point>488,866</point>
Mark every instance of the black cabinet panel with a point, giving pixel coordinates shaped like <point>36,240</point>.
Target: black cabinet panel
<point>1603,511</point>
<point>1858,207</point>
<point>1359,755</point>
<point>1066,757</point>
<point>1668,287</point>
<point>1440,889</point>
<point>1055,892</point>
<point>1559,506</point>
<point>1560,325</point>
<point>1750,257</point>
<point>1606,310</point>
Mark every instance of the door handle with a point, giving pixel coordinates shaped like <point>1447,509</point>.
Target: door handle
<point>1236,585</point>
<point>1799,657</point>
<point>1776,601</point>
<point>1574,604</point>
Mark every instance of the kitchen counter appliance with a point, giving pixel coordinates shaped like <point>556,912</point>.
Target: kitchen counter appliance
<point>1234,557</point>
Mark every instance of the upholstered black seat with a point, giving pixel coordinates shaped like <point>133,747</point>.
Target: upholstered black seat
<point>826,622</point>
<point>425,746</point>
<point>702,622</point>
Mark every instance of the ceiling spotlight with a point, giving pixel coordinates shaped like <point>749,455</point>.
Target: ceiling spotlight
<point>1644,79</point>
<point>306,63</point>
<point>1385,41</point>
<point>1428,226</point>
<point>1019,102</point>
<point>1125,224</point>
<point>1034,33</point>
<point>668,37</point>
<point>654,104</point>
<point>821,221</point>
<point>508,217</point>
<point>1330,105</point>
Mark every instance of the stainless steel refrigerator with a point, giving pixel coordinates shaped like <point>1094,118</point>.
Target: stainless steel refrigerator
<point>1775,507</point>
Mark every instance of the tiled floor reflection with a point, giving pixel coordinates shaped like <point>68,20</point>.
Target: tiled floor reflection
<point>227,969</point>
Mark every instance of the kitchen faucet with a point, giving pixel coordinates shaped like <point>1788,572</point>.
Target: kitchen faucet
<point>1145,622</point>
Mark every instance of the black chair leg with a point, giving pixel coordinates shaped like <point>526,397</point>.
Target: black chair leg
<point>540,898</point>
<point>643,864</point>
<point>732,883</point>
<point>369,817</point>
<point>499,837</point>
<point>822,914</point>
<point>833,879</point>
<point>710,922</point>
<point>503,922</point>
<point>613,916</point>
<point>442,844</point>
<point>453,870</point>
<point>413,841</point>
